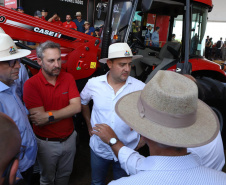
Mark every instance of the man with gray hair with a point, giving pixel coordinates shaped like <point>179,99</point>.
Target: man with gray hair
<point>171,118</point>
<point>52,98</point>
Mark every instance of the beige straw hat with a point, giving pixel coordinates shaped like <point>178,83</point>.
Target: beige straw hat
<point>8,49</point>
<point>119,50</point>
<point>86,22</point>
<point>78,14</point>
<point>168,111</point>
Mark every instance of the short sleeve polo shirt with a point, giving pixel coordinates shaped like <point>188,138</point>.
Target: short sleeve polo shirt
<point>39,92</point>
<point>70,25</point>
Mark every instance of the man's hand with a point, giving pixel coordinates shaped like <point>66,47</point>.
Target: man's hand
<point>90,129</point>
<point>104,131</point>
<point>39,118</point>
<point>55,16</point>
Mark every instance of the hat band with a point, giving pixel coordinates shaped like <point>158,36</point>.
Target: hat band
<point>7,53</point>
<point>120,54</point>
<point>163,118</point>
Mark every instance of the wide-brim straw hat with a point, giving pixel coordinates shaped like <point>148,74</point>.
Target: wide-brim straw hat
<point>169,112</point>
<point>119,50</point>
<point>8,49</point>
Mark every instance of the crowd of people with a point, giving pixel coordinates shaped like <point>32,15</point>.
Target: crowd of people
<point>215,51</point>
<point>182,132</point>
<point>152,37</point>
<point>77,24</point>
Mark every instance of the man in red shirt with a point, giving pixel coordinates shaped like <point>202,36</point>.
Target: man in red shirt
<point>52,98</point>
<point>69,24</point>
<point>55,19</point>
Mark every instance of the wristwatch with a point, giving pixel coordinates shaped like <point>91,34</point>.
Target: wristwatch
<point>51,117</point>
<point>113,141</point>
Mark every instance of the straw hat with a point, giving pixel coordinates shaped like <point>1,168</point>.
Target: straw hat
<point>78,14</point>
<point>86,22</point>
<point>119,50</point>
<point>8,49</point>
<point>168,111</point>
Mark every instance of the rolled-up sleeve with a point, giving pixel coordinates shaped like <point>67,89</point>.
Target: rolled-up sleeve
<point>130,160</point>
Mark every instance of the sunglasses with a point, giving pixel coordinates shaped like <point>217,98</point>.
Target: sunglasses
<point>12,63</point>
<point>19,156</point>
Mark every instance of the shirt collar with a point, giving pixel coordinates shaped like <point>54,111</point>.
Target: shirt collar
<point>43,79</point>
<point>168,163</point>
<point>3,87</point>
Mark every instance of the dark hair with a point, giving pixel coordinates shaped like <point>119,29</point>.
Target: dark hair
<point>44,10</point>
<point>157,28</point>
<point>46,45</point>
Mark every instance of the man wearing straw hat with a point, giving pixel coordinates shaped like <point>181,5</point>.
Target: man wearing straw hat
<point>105,91</point>
<point>171,118</point>
<point>79,22</point>
<point>11,104</point>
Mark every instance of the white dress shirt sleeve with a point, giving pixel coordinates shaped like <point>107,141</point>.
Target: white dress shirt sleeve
<point>130,160</point>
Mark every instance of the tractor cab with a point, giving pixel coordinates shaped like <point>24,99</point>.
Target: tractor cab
<point>129,21</point>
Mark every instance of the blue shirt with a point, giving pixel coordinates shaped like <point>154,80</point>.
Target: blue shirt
<point>11,105</point>
<point>80,25</point>
<point>155,39</point>
<point>23,77</point>
<point>91,30</point>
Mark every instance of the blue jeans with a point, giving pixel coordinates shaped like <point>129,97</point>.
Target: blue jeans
<point>99,167</point>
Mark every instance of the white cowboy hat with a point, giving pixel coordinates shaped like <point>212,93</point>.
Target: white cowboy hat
<point>169,112</point>
<point>119,50</point>
<point>8,49</point>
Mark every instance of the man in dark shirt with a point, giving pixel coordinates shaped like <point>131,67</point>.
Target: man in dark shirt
<point>79,22</point>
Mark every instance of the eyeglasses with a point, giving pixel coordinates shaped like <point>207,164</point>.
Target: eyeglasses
<point>12,63</point>
<point>18,156</point>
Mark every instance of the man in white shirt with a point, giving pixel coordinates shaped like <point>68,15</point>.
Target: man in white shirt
<point>169,115</point>
<point>105,91</point>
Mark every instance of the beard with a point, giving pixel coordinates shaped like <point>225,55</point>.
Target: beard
<point>51,73</point>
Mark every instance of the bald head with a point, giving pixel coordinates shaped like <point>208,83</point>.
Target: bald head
<point>10,141</point>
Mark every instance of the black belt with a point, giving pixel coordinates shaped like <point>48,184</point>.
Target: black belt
<point>54,139</point>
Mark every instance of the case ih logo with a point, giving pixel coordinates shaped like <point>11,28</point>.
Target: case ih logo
<point>2,19</point>
<point>47,32</point>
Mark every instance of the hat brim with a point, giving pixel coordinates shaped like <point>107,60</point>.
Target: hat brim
<point>203,131</point>
<point>21,53</point>
<point>104,60</point>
